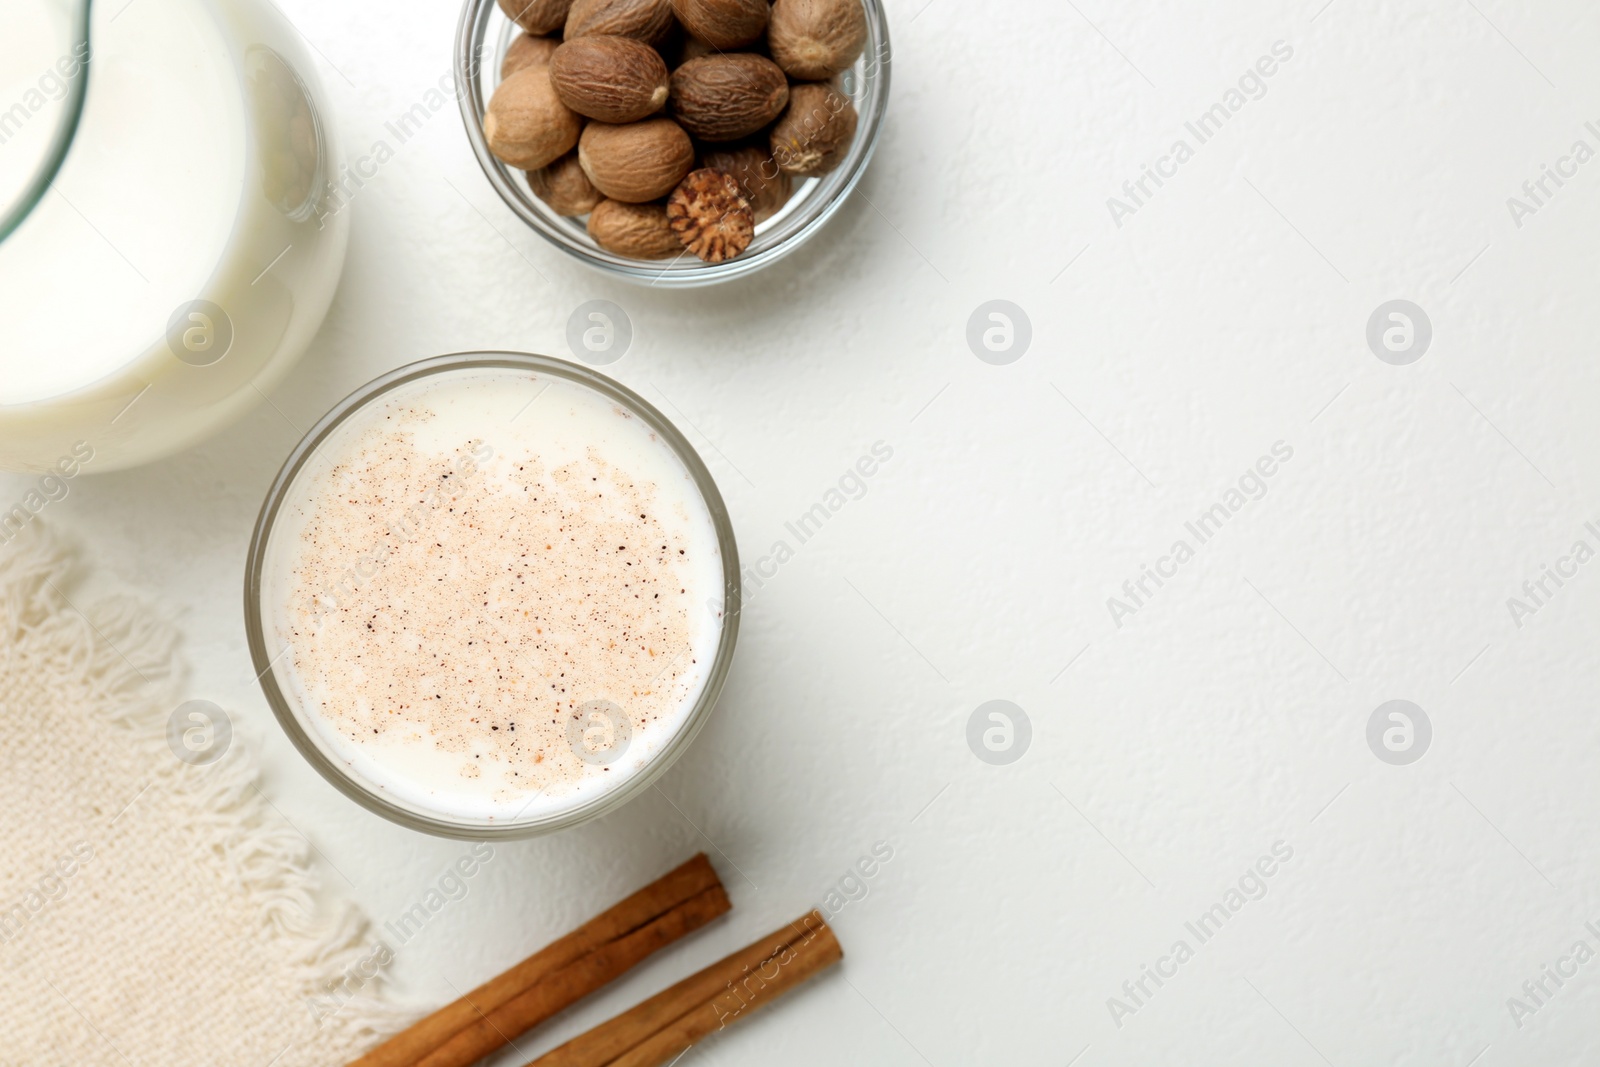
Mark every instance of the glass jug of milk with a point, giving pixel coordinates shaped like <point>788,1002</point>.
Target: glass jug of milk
<point>166,246</point>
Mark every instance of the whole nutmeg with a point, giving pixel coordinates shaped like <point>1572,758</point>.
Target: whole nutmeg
<point>537,16</point>
<point>760,180</point>
<point>637,162</point>
<point>613,79</point>
<point>638,230</point>
<point>723,24</point>
<point>649,21</point>
<point>726,97</point>
<point>710,216</point>
<point>565,187</point>
<point>815,39</point>
<point>526,124</point>
<point>527,51</point>
<point>816,129</point>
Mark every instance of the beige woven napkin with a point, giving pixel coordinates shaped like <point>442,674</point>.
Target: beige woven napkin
<point>152,911</point>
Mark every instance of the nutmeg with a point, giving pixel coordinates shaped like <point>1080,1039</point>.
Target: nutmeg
<point>760,180</point>
<point>815,39</point>
<point>723,24</point>
<point>613,79</point>
<point>710,216</point>
<point>527,51</point>
<point>638,230</point>
<point>565,187</point>
<point>726,97</point>
<point>815,131</point>
<point>526,124</point>
<point>649,21</point>
<point>537,16</point>
<point>637,162</point>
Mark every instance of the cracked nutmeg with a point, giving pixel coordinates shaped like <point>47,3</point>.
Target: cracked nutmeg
<point>710,216</point>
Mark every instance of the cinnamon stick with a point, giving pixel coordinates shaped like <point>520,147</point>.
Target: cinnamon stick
<point>494,1030</point>
<point>562,973</point>
<point>667,1024</point>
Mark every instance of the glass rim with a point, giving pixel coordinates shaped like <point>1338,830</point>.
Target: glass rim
<point>797,227</point>
<point>355,787</point>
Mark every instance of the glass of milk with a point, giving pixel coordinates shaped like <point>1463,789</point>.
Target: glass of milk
<point>492,595</point>
<point>167,249</point>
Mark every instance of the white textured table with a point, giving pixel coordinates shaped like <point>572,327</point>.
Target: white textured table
<point>1176,340</point>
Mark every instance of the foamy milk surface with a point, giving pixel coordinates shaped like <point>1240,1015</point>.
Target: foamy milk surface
<point>488,591</point>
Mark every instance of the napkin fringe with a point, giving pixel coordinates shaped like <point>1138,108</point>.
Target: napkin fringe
<point>126,654</point>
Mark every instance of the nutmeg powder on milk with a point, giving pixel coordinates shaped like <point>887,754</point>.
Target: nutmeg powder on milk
<point>475,580</point>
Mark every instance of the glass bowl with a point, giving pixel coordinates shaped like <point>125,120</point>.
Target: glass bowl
<point>306,735</point>
<point>482,38</point>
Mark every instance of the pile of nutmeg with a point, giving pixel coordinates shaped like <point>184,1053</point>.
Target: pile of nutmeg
<point>675,125</point>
